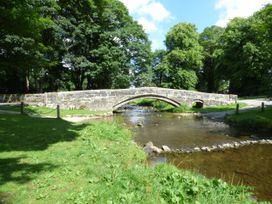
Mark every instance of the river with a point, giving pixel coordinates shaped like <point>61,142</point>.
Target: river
<point>249,165</point>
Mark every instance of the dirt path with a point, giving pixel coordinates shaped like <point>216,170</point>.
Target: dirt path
<point>251,104</point>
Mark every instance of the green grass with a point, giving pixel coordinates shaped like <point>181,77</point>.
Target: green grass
<point>156,104</point>
<point>252,97</point>
<point>219,108</point>
<point>252,120</point>
<point>184,108</point>
<point>143,102</point>
<point>51,112</point>
<point>45,160</point>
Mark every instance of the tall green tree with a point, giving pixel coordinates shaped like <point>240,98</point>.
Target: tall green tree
<point>184,56</point>
<point>21,46</point>
<point>160,68</point>
<point>48,45</point>
<point>105,47</point>
<point>209,75</point>
<point>247,53</point>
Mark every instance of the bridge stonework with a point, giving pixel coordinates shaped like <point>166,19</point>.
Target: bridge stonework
<point>110,99</point>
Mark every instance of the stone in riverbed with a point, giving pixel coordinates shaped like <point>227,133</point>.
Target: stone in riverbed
<point>165,148</point>
<point>150,148</point>
<point>220,147</point>
<point>254,142</point>
<point>262,142</point>
<point>236,144</point>
<point>207,149</point>
<point>140,124</point>
<point>197,149</point>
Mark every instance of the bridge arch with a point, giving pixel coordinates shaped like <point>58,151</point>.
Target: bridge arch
<point>198,103</point>
<point>152,96</point>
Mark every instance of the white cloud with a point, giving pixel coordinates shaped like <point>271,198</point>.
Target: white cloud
<point>152,15</point>
<point>134,5</point>
<point>149,26</point>
<point>156,10</point>
<point>230,9</point>
<point>147,9</point>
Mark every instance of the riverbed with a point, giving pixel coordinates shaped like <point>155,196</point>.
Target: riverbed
<point>250,165</point>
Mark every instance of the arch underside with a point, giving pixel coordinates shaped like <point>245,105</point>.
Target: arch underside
<point>151,96</point>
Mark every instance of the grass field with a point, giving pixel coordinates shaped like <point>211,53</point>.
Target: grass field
<point>50,112</point>
<point>252,120</point>
<point>46,160</point>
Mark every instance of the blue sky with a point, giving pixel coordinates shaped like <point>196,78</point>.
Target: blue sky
<point>158,16</point>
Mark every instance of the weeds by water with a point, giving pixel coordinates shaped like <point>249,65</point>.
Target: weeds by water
<point>54,161</point>
<point>252,120</point>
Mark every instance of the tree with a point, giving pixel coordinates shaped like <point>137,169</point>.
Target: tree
<point>48,45</point>
<point>184,56</point>
<point>160,68</point>
<point>104,45</point>
<point>209,75</point>
<point>21,47</point>
<point>248,53</point>
<point>262,27</point>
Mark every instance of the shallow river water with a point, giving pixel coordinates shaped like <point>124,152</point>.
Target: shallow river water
<point>249,165</point>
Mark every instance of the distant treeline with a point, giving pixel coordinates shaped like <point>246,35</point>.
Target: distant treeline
<point>48,45</point>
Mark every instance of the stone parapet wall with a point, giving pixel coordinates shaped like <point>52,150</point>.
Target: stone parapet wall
<point>108,99</point>
<point>10,98</point>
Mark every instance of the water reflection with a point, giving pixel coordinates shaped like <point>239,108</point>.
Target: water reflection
<point>176,131</point>
<point>250,165</point>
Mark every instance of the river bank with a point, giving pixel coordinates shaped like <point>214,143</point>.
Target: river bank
<point>49,160</point>
<point>257,119</point>
<point>248,165</point>
<point>184,137</point>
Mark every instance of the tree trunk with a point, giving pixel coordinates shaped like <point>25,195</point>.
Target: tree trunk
<point>27,81</point>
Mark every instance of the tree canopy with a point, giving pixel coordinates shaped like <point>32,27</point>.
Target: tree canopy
<point>236,59</point>
<point>75,44</point>
<point>178,65</point>
<point>48,45</point>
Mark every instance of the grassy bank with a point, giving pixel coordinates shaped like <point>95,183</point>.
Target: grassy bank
<point>54,161</point>
<point>50,112</point>
<point>165,107</point>
<point>252,120</point>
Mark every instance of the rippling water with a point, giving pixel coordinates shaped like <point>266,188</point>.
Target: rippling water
<point>251,165</point>
<point>178,131</point>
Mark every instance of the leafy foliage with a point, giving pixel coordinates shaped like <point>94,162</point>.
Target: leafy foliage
<point>71,45</point>
<point>210,75</point>
<point>235,59</point>
<point>247,53</point>
<point>177,67</point>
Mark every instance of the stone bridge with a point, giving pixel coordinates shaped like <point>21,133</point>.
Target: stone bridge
<point>111,99</point>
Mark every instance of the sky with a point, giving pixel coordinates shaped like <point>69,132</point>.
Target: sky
<point>158,16</point>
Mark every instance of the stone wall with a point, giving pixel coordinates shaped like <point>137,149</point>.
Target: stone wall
<point>109,99</point>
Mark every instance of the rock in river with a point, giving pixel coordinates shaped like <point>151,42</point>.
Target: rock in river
<point>149,148</point>
<point>166,148</point>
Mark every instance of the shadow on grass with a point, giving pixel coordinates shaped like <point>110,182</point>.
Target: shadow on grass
<point>29,110</point>
<point>11,107</point>
<point>13,170</point>
<point>23,133</point>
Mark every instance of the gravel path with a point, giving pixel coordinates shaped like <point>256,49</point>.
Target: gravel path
<point>251,104</point>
